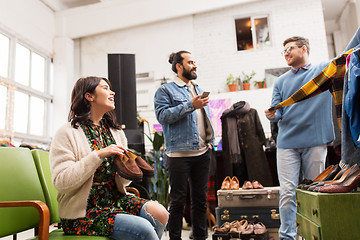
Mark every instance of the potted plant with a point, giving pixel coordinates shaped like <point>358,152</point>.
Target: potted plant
<point>156,157</point>
<point>246,80</point>
<point>260,84</point>
<point>231,82</point>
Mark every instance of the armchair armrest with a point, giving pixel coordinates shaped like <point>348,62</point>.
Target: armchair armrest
<point>133,190</point>
<point>43,211</point>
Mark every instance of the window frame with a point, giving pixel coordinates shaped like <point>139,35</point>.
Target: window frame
<point>253,31</point>
<point>12,86</point>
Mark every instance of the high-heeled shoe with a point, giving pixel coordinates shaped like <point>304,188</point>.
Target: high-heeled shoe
<point>323,174</point>
<point>236,227</point>
<point>226,184</point>
<point>234,183</point>
<point>343,178</point>
<point>312,186</point>
<point>327,174</point>
<point>333,173</point>
<point>223,228</point>
<point>346,186</point>
<point>259,228</point>
<point>249,229</point>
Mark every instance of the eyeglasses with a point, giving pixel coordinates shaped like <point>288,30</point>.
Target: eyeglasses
<point>288,49</point>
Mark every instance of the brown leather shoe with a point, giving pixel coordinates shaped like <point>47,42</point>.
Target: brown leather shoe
<point>249,229</point>
<point>234,183</point>
<point>257,185</point>
<point>259,228</point>
<point>238,226</point>
<point>142,164</point>
<point>247,185</point>
<point>127,168</point>
<point>223,228</point>
<point>226,184</point>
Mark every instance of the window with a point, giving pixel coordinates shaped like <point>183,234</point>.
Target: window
<point>252,33</point>
<point>24,91</point>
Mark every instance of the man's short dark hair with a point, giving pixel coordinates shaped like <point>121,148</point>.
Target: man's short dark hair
<point>300,41</point>
<point>176,58</point>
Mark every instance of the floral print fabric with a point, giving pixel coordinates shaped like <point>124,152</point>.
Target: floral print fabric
<point>104,200</point>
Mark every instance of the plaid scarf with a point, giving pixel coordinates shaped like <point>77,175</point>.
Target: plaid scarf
<point>331,78</point>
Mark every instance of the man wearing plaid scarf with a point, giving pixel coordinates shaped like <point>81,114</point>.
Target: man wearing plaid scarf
<point>305,128</point>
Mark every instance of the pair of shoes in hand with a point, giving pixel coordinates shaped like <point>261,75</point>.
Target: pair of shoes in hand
<point>252,185</point>
<point>132,167</point>
<point>230,183</point>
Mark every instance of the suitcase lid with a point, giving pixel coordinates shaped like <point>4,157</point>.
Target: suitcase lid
<point>266,191</point>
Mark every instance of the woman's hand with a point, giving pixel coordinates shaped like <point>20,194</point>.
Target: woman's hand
<point>111,151</point>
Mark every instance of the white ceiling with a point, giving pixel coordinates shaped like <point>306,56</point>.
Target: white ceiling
<point>332,8</point>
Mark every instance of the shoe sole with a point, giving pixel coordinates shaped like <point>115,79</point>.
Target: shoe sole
<point>136,179</point>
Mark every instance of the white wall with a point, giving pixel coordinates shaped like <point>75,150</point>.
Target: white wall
<point>210,37</point>
<point>151,45</point>
<point>215,40</point>
<point>343,28</point>
<point>29,20</point>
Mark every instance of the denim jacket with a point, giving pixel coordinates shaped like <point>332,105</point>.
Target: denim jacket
<point>175,112</point>
<point>350,154</point>
<point>352,97</point>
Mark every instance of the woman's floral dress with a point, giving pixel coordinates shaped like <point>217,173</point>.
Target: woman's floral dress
<point>104,200</point>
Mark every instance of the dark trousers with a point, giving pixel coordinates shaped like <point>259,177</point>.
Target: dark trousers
<point>196,171</point>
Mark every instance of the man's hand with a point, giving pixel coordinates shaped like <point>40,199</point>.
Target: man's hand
<point>270,114</point>
<point>199,102</point>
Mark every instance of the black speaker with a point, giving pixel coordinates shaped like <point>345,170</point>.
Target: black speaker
<point>122,76</point>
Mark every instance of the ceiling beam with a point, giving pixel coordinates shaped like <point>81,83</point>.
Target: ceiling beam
<point>114,15</point>
<point>54,5</point>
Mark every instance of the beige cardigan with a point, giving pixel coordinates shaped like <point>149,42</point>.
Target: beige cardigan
<point>72,165</point>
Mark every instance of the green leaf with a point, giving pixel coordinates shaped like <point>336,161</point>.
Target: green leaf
<point>158,140</point>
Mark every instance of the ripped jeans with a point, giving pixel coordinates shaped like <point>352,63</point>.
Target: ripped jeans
<point>129,227</point>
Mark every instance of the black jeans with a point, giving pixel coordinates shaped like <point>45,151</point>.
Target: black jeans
<point>196,171</point>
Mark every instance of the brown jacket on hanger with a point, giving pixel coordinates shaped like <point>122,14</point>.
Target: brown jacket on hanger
<point>252,139</point>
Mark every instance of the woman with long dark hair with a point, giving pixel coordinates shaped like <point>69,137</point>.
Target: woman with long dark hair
<point>91,195</point>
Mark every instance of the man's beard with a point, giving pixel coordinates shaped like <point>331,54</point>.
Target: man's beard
<point>189,75</point>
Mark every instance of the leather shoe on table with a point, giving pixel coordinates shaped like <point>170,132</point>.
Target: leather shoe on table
<point>223,228</point>
<point>346,186</point>
<point>226,184</point>
<point>257,185</point>
<point>249,229</point>
<point>234,183</point>
<point>343,178</point>
<point>259,228</point>
<point>247,185</point>
<point>314,185</point>
<point>324,173</point>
